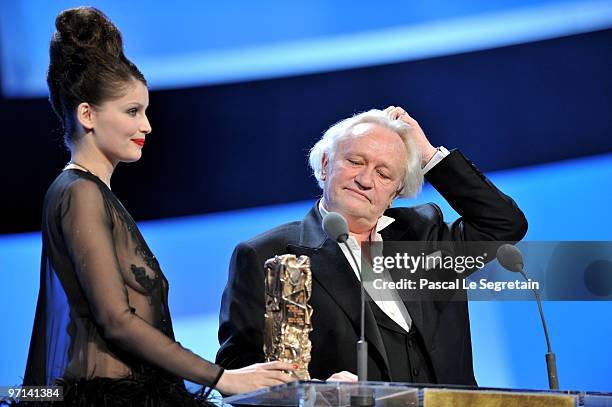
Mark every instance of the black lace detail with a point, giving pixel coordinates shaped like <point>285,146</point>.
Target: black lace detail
<point>153,287</point>
<point>148,258</point>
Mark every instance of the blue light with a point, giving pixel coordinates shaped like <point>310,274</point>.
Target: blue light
<point>563,201</point>
<point>213,42</point>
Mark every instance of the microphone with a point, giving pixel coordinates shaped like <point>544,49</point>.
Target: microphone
<point>511,259</point>
<point>336,228</point>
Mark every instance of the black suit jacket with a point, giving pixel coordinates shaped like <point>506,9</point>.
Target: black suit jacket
<point>486,214</point>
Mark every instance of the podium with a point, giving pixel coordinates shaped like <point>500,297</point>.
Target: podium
<point>332,394</point>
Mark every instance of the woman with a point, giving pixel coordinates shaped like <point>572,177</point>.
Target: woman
<point>102,326</point>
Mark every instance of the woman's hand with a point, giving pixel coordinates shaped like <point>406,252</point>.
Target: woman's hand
<point>253,377</point>
<point>343,376</point>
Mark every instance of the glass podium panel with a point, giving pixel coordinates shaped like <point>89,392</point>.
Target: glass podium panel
<point>332,394</point>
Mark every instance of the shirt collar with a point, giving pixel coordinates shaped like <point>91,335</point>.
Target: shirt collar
<point>382,223</point>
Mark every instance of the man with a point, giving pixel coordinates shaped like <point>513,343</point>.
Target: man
<point>362,164</point>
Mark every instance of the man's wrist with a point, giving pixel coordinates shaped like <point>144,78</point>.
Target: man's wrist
<point>438,156</point>
<point>428,155</point>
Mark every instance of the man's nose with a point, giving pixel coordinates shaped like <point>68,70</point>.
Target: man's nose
<point>365,178</point>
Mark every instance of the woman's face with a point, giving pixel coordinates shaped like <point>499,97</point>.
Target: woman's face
<point>120,126</point>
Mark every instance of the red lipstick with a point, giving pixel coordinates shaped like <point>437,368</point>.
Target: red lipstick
<point>138,141</point>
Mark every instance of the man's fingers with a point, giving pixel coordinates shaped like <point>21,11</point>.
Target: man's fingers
<point>343,376</point>
<point>349,376</point>
<point>396,112</point>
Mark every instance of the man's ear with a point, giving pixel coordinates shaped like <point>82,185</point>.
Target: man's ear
<point>85,115</point>
<point>324,162</point>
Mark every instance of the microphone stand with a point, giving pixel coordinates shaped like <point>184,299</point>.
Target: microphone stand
<point>336,228</point>
<point>362,345</point>
<point>511,259</point>
<point>551,360</point>
<point>363,398</point>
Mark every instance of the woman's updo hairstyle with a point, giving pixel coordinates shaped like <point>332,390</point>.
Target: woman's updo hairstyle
<point>87,64</point>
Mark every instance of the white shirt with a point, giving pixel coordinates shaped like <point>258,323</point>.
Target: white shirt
<point>395,308</point>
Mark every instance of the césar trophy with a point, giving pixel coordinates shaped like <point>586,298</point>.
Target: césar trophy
<point>288,315</point>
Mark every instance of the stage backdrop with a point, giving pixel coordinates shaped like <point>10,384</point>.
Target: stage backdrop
<point>241,90</point>
<point>563,201</point>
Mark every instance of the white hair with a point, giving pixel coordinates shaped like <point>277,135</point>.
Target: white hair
<point>413,177</point>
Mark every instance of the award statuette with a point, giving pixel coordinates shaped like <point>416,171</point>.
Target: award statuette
<point>288,315</point>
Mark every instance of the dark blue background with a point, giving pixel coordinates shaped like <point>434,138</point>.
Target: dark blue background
<point>218,151</point>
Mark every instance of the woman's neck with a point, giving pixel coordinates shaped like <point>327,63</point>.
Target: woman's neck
<point>98,166</point>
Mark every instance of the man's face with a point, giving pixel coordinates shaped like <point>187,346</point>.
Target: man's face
<point>364,174</point>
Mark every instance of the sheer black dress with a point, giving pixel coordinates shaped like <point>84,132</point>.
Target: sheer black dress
<point>102,327</point>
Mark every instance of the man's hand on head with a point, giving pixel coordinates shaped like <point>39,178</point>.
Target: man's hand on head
<point>425,148</point>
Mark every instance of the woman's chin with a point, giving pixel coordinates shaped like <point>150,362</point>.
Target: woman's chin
<point>131,159</point>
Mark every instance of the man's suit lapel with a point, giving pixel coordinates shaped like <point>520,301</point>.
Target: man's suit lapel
<point>332,271</point>
<point>400,231</point>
